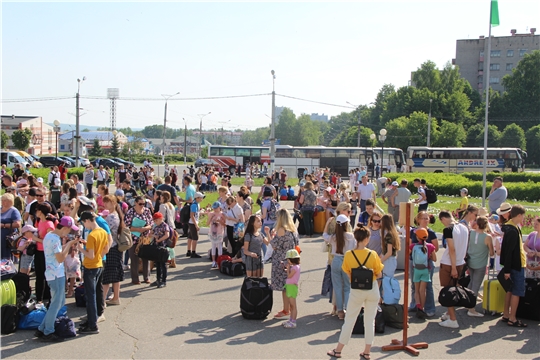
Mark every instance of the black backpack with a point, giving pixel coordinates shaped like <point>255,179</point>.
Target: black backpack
<point>431,196</point>
<point>64,327</point>
<point>9,319</point>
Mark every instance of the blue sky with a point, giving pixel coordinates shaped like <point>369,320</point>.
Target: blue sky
<point>328,52</point>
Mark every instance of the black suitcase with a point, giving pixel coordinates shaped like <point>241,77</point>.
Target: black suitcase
<point>529,305</point>
<point>232,269</point>
<point>256,298</point>
<point>301,228</point>
<point>80,298</point>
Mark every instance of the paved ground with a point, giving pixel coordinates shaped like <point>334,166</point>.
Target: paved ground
<point>197,316</point>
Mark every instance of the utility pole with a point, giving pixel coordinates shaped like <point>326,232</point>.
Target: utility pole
<point>201,116</point>
<point>167,97</point>
<point>185,140</point>
<point>359,126</point>
<point>77,137</point>
<point>272,126</point>
<point>429,125</point>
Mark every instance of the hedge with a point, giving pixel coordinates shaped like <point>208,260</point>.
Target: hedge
<point>451,184</point>
<point>507,177</point>
<point>156,159</point>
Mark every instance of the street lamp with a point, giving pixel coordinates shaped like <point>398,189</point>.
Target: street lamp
<point>56,130</point>
<point>167,97</point>
<point>429,125</point>
<point>382,138</point>
<point>185,140</point>
<point>77,137</point>
<point>272,126</point>
<point>373,137</point>
<point>201,116</point>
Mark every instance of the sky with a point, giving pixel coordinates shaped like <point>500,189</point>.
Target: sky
<point>333,53</point>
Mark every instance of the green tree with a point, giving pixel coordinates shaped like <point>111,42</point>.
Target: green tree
<point>410,131</point>
<point>115,147</point>
<point>450,135</point>
<point>514,135</point>
<point>475,136</point>
<point>21,138</point>
<point>96,150</point>
<point>255,137</point>
<point>380,104</point>
<point>285,128</point>
<point>5,139</point>
<point>427,76</point>
<point>533,145</point>
<point>85,130</point>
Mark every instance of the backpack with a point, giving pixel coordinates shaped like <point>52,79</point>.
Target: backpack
<point>185,213</point>
<point>272,212</point>
<point>124,240</point>
<point>64,327</point>
<point>391,291</point>
<point>431,196</point>
<point>419,258</point>
<point>9,319</point>
<point>173,238</point>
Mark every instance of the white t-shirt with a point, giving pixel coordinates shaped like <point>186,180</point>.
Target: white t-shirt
<point>27,210</point>
<point>421,190</point>
<point>366,191</point>
<point>350,242</point>
<point>460,236</point>
<point>80,188</point>
<point>235,212</point>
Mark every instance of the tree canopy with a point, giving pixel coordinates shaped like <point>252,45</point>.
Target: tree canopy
<point>21,138</point>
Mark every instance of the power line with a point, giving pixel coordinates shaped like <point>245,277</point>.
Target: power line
<point>316,102</point>
<point>37,99</point>
<point>176,99</point>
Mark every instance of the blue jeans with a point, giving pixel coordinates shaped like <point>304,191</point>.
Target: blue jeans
<point>341,283</point>
<point>58,299</point>
<point>307,216</point>
<point>91,277</point>
<point>429,306</point>
<point>362,206</point>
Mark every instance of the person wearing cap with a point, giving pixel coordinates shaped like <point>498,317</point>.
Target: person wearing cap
<point>504,212</point>
<point>55,255</point>
<point>193,232</point>
<point>366,191</point>
<point>497,195</point>
<point>389,197</point>
<point>291,285</point>
<point>464,202</point>
<point>94,249</point>
<point>26,239</point>
<point>341,242</point>
<point>159,234</point>
<point>421,275</point>
<point>513,260</point>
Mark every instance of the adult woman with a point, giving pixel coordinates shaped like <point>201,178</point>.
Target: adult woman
<point>390,245</point>
<point>532,248</point>
<point>423,220</point>
<point>166,208</point>
<point>139,220</point>
<point>341,241</point>
<point>113,273</point>
<point>323,203</point>
<point>267,185</point>
<point>469,216</point>
<point>32,181</point>
<point>479,250</point>
<point>375,239</point>
<point>308,200</point>
<point>233,216</point>
<point>102,191</point>
<point>88,177</point>
<point>343,195</point>
<point>45,225</point>
<point>389,197</point>
<point>253,240</point>
<point>11,222</point>
<point>358,298</point>
<point>285,239</point>
<point>241,201</point>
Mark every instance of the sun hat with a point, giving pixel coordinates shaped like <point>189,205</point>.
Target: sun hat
<point>28,228</point>
<point>342,219</point>
<point>216,205</point>
<point>504,209</point>
<point>67,221</point>
<point>482,212</point>
<point>119,192</point>
<point>421,234</point>
<point>292,254</point>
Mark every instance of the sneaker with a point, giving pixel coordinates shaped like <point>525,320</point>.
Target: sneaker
<point>88,331</point>
<point>155,283</point>
<point>52,337</point>
<point>214,266</point>
<point>161,285</point>
<point>289,324</point>
<point>282,315</point>
<point>430,314</point>
<point>126,267</point>
<point>188,254</point>
<point>475,314</point>
<point>421,314</point>
<point>39,334</point>
<point>445,317</point>
<point>453,324</point>
<point>413,309</point>
<point>194,255</point>
<point>101,318</point>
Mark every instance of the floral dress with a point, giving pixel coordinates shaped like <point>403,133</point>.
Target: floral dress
<point>281,244</point>
<point>131,215</point>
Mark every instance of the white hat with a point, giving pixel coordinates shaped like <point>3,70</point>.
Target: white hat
<point>342,219</point>
<point>199,195</point>
<point>40,180</point>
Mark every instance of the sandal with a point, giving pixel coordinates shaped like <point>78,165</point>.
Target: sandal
<point>341,315</point>
<point>503,319</point>
<point>334,353</point>
<point>517,323</point>
<point>365,356</point>
<point>282,315</point>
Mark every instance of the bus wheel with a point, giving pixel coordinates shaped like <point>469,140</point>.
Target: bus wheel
<point>438,171</point>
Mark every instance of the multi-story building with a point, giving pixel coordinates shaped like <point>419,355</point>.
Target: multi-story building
<point>317,117</point>
<point>506,52</point>
<point>43,140</point>
<point>66,141</point>
<point>221,136</point>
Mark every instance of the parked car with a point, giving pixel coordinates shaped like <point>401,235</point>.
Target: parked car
<point>82,161</point>
<point>106,162</point>
<point>122,161</point>
<point>54,161</point>
<point>204,162</point>
<point>26,156</point>
<point>10,158</point>
<point>68,160</point>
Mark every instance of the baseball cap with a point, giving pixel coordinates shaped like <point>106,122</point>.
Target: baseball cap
<point>40,180</point>
<point>395,183</point>
<point>216,204</point>
<point>494,217</point>
<point>157,215</point>
<point>329,189</point>
<point>421,234</point>
<point>504,209</point>
<point>28,228</point>
<point>104,213</point>
<point>464,190</point>
<point>342,219</point>
<point>292,254</point>
<point>88,202</point>
<point>67,221</point>
<point>199,195</point>
<point>119,192</point>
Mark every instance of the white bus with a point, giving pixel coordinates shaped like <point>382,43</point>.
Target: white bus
<point>458,160</point>
<point>392,160</point>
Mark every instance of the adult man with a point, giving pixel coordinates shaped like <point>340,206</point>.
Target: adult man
<point>89,179</point>
<point>389,197</point>
<point>17,171</point>
<point>282,179</point>
<point>453,259</point>
<point>97,245</point>
<point>55,275</point>
<point>497,195</point>
<point>403,195</point>
<point>366,191</point>
<point>7,181</point>
<point>62,169</point>
<point>365,215</point>
<point>101,176</point>
<point>422,199</point>
<point>190,197</point>
<point>54,174</point>
<point>513,260</point>
<point>78,185</point>
<point>170,189</point>
<point>129,193</point>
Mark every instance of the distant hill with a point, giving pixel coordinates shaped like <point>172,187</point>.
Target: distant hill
<point>71,127</point>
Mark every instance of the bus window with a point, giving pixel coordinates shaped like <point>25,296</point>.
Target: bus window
<point>438,154</point>
<point>342,153</point>
<point>227,152</point>
<point>313,153</point>
<point>243,152</point>
<point>299,153</point>
<point>214,151</point>
<point>328,153</point>
<point>356,154</point>
<point>255,152</point>
<point>284,153</point>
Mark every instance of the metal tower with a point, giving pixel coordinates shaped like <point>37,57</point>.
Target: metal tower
<point>113,94</point>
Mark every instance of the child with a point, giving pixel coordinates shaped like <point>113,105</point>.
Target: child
<point>72,265</point>
<point>160,233</point>
<point>26,239</point>
<point>354,207</point>
<point>249,183</point>
<point>496,234</point>
<point>464,202</point>
<point>291,285</point>
<point>421,252</point>
<point>290,193</point>
<point>283,195</point>
<point>216,219</point>
<point>193,232</point>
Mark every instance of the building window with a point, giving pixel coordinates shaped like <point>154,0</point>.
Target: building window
<point>494,67</point>
<point>495,53</point>
<point>481,54</point>
<point>61,147</point>
<point>509,53</point>
<point>494,80</point>
<point>522,52</point>
<point>509,66</point>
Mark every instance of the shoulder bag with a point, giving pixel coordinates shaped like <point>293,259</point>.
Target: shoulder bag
<point>361,277</point>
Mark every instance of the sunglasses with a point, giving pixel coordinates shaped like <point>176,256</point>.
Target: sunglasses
<point>376,221</point>
<point>141,204</point>
<point>38,195</point>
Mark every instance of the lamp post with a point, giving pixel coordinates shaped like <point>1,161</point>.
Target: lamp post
<point>372,137</point>
<point>77,137</point>
<point>359,122</point>
<point>201,116</point>
<point>382,138</point>
<point>167,97</point>
<point>185,140</point>
<point>114,132</point>
<point>272,126</point>
<point>429,125</point>
<point>56,130</point>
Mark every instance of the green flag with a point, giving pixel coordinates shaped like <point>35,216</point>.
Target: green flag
<point>494,13</point>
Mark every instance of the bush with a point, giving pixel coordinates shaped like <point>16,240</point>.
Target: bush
<point>44,173</point>
<point>508,177</point>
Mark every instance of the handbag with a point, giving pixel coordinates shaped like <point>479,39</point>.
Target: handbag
<point>362,277</point>
<point>153,253</point>
<point>124,240</point>
<point>143,240</point>
<point>380,324</point>
<point>457,295</point>
<point>31,249</point>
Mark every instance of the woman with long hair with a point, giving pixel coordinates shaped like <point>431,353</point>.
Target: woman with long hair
<point>253,240</point>
<point>102,191</point>
<point>390,245</point>
<point>241,200</point>
<point>375,239</point>
<point>267,185</point>
<point>234,215</point>
<point>469,215</point>
<point>285,239</point>
<point>308,201</point>
<point>113,272</point>
<point>341,242</point>
<point>139,220</point>
<point>45,225</point>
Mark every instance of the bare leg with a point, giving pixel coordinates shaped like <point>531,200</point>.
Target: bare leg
<point>286,304</point>
<point>294,309</point>
<point>514,302</point>
<point>507,298</point>
<point>422,293</point>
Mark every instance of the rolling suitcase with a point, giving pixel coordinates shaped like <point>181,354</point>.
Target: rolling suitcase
<point>9,292</point>
<point>528,307</point>
<point>256,298</point>
<point>493,301</point>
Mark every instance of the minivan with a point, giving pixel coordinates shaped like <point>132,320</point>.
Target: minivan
<point>10,158</point>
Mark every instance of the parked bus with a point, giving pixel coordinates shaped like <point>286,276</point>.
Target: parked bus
<point>291,158</point>
<point>458,160</point>
<point>393,159</point>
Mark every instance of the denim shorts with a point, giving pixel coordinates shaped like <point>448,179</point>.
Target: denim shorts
<point>518,282</point>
